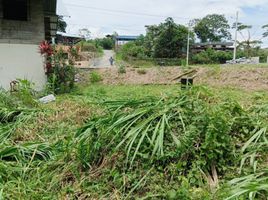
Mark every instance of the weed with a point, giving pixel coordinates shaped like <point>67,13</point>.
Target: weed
<point>140,142</point>
<point>171,128</point>
<point>95,77</point>
<point>25,92</point>
<point>122,69</point>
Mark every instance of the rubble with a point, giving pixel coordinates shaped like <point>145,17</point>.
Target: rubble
<point>47,99</point>
<point>253,60</point>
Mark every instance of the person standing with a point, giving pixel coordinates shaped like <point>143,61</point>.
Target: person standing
<point>111,61</point>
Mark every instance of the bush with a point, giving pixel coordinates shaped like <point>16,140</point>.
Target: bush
<point>60,73</point>
<point>95,77</point>
<point>211,56</point>
<point>132,50</point>
<point>88,47</point>
<point>91,46</point>
<point>106,43</point>
<point>62,79</point>
<point>24,92</point>
<point>122,69</point>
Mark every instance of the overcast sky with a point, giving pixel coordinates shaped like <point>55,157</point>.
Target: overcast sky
<point>129,17</point>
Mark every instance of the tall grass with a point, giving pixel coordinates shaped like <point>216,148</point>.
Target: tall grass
<point>254,185</point>
<point>183,145</point>
<point>191,127</point>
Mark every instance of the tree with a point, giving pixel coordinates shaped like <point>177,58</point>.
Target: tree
<point>106,43</point>
<point>166,40</point>
<point>172,41</point>
<point>247,44</point>
<point>265,27</point>
<point>62,25</point>
<point>85,33</point>
<point>150,40</point>
<point>212,28</point>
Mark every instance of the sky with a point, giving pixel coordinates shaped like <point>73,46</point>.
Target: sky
<point>130,17</point>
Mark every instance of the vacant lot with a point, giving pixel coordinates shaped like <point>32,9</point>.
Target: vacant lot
<point>247,78</point>
<point>137,135</point>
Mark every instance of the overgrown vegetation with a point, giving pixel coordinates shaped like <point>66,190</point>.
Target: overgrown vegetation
<point>59,70</point>
<point>92,47</point>
<point>166,43</point>
<point>211,56</point>
<point>129,142</point>
<point>95,77</point>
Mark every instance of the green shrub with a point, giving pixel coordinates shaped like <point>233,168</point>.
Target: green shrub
<point>62,79</point>
<point>91,46</point>
<point>132,50</point>
<point>122,69</point>
<point>95,77</point>
<point>60,73</point>
<point>211,56</point>
<point>25,92</point>
<point>106,43</point>
<point>88,47</point>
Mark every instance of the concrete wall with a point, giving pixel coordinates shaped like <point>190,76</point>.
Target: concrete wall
<point>19,56</point>
<point>21,61</point>
<point>24,32</point>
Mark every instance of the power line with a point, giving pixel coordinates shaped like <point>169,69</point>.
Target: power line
<point>124,12</point>
<point>114,27</point>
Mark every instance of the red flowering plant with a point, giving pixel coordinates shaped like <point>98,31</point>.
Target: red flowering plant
<point>47,51</point>
<point>60,73</point>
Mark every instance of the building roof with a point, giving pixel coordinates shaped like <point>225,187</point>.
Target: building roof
<point>68,39</point>
<point>69,35</point>
<point>126,37</point>
<point>214,43</point>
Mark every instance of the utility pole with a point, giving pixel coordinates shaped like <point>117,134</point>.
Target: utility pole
<point>188,46</point>
<point>235,42</point>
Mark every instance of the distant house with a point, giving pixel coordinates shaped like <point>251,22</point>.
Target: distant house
<point>218,46</point>
<point>123,39</point>
<point>68,39</point>
<point>23,25</point>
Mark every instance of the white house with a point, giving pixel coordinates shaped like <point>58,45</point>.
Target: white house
<point>23,25</point>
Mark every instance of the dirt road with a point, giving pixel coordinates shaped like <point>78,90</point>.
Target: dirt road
<point>103,61</point>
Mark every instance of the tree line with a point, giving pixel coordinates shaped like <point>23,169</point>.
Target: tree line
<point>169,40</point>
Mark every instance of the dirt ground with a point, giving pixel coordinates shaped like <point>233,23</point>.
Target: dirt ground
<point>247,78</point>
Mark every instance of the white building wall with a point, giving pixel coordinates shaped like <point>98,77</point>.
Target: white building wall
<point>21,61</point>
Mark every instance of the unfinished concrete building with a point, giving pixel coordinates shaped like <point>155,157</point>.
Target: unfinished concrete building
<point>23,25</point>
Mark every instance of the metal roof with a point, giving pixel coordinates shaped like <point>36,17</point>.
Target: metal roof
<point>214,43</point>
<point>69,35</point>
<point>126,37</point>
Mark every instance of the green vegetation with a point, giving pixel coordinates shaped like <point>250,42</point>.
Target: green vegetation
<point>212,28</point>
<point>60,72</point>
<point>211,56</point>
<point>165,44</point>
<point>167,41</point>
<point>95,77</point>
<point>91,46</point>
<point>141,71</point>
<point>121,68</point>
<point>97,46</point>
<point>106,43</point>
<point>134,142</point>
